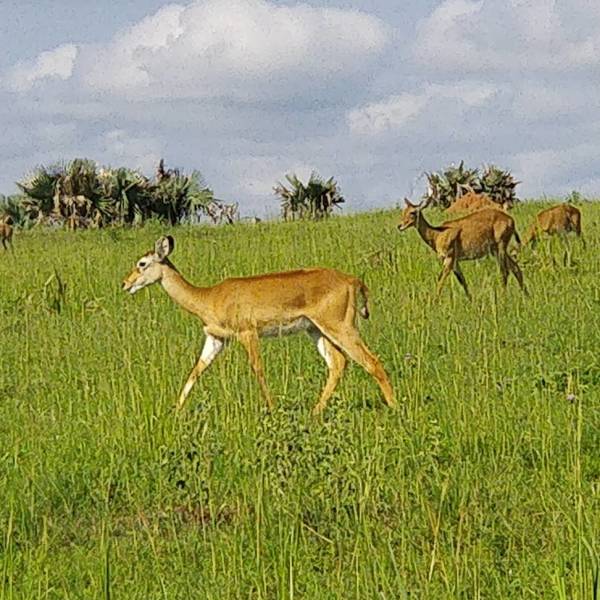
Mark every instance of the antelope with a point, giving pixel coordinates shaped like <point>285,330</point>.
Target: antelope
<point>6,232</point>
<point>471,201</point>
<point>487,231</point>
<point>322,302</point>
<point>559,219</point>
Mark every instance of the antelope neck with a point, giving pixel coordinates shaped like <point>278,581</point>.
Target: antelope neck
<point>426,231</point>
<point>182,292</point>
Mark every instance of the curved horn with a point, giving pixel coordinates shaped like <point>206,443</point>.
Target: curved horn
<point>426,202</point>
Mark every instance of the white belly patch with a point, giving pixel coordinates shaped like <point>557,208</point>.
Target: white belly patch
<point>295,326</point>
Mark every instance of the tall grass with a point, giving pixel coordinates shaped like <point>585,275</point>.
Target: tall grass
<point>485,483</point>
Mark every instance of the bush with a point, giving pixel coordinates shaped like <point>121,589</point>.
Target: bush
<point>315,200</point>
<point>447,186</point>
<point>79,194</point>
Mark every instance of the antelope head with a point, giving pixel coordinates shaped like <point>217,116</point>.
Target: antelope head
<point>410,214</point>
<point>149,268</point>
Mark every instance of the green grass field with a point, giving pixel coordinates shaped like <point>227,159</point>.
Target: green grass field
<point>485,483</point>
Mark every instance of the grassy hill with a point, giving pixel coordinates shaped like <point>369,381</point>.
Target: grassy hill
<point>485,483</point>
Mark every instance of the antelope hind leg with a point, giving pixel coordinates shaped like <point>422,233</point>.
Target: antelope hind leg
<point>516,271</point>
<point>336,362</point>
<point>461,279</point>
<point>349,341</point>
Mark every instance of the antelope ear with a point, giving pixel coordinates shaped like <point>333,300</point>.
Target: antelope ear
<point>164,246</point>
<point>408,202</point>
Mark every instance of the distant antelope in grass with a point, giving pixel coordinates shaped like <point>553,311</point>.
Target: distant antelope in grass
<point>471,201</point>
<point>6,232</point>
<point>322,302</point>
<point>559,219</point>
<point>487,231</point>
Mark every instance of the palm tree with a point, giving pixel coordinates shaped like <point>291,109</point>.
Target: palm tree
<point>499,185</point>
<point>176,197</point>
<point>64,191</point>
<point>446,186</point>
<point>315,200</point>
<point>127,191</point>
<point>39,189</point>
<point>80,194</point>
<point>11,207</point>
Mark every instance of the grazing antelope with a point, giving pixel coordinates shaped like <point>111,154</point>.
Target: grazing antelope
<point>471,201</point>
<point>322,302</point>
<point>6,232</point>
<point>559,219</point>
<point>487,231</point>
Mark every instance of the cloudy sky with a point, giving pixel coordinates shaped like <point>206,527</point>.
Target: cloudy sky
<point>245,91</point>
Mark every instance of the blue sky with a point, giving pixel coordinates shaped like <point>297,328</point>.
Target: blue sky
<point>373,93</point>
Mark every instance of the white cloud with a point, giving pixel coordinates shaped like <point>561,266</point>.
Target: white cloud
<point>524,35</point>
<point>248,90</point>
<point>242,49</point>
<point>539,100</point>
<point>392,113</point>
<point>556,170</point>
<point>122,147</point>
<point>397,111</point>
<point>119,65</point>
<point>52,64</point>
<point>56,134</point>
<point>442,32</point>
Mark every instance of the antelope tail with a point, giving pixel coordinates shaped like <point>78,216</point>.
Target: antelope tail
<point>364,293</point>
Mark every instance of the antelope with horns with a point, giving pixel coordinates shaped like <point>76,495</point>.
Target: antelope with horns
<point>6,232</point>
<point>322,302</point>
<point>559,219</point>
<point>487,231</point>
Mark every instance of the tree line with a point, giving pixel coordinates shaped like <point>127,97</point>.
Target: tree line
<point>80,194</point>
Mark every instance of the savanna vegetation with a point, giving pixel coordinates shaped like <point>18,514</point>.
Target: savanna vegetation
<point>79,194</point>
<point>313,200</point>
<point>447,186</point>
<point>484,483</point>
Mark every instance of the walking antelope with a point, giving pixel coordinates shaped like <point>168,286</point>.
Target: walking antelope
<point>471,201</point>
<point>559,219</point>
<point>6,232</point>
<point>322,302</point>
<point>487,231</point>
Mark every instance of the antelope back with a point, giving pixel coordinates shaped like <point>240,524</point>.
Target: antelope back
<point>470,202</point>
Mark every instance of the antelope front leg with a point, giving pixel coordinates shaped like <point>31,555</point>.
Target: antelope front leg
<point>212,347</point>
<point>448,267</point>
